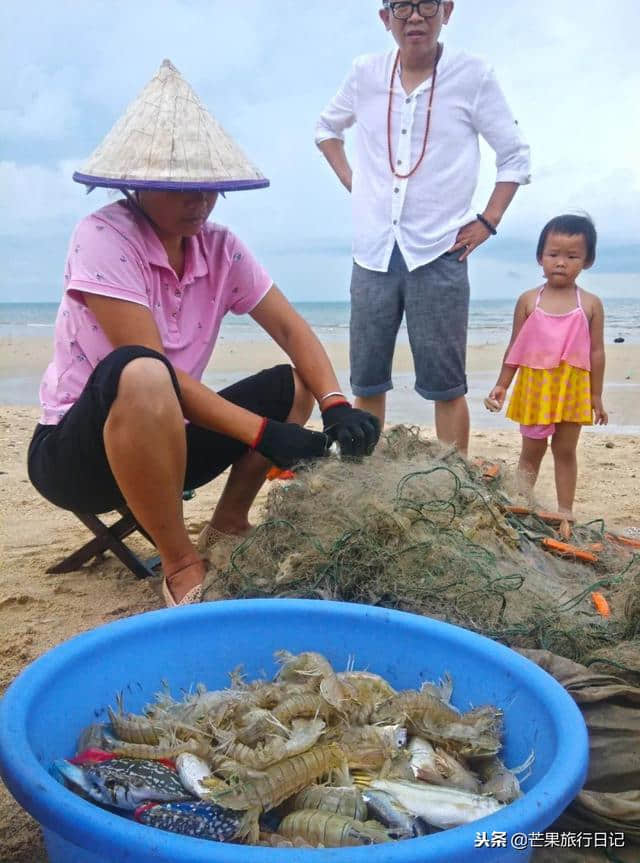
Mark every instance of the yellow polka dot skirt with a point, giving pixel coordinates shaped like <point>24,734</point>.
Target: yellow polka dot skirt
<point>543,396</point>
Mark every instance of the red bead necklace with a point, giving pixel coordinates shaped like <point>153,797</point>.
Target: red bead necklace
<point>426,131</point>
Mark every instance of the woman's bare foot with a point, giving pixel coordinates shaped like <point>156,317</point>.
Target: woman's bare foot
<point>182,576</point>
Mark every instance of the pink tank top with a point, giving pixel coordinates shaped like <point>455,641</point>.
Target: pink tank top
<point>546,340</point>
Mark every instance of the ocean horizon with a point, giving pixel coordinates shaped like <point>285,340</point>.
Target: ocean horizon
<point>489,321</point>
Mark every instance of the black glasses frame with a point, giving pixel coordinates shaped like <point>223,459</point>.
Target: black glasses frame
<point>432,4</point>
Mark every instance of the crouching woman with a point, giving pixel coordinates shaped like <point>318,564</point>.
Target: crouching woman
<point>148,280</point>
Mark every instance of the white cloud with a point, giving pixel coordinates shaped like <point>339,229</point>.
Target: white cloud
<point>36,198</point>
<point>37,105</point>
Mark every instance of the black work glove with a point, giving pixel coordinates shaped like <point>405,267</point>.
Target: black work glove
<point>356,431</point>
<point>286,444</point>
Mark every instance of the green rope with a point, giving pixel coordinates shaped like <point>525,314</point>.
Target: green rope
<point>600,531</point>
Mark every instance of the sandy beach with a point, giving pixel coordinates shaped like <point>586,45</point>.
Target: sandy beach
<point>38,611</point>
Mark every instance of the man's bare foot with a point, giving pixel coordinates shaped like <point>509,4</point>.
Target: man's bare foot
<point>184,576</point>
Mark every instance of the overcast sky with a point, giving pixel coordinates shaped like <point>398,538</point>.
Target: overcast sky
<point>265,68</point>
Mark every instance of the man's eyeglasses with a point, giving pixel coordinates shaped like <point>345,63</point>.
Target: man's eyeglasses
<point>426,9</point>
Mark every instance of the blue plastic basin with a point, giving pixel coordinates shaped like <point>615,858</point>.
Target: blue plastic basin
<point>47,706</point>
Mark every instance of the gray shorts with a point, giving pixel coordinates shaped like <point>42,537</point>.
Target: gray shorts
<point>435,298</point>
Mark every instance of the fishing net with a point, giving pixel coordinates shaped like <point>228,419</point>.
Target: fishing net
<point>416,528</point>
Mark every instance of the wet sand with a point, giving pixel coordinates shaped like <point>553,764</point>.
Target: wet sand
<point>22,362</point>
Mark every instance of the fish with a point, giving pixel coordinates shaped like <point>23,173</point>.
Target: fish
<point>191,771</point>
<point>384,808</point>
<point>192,818</point>
<point>121,783</point>
<point>442,807</point>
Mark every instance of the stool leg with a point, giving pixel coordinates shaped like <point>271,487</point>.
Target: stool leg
<point>106,538</point>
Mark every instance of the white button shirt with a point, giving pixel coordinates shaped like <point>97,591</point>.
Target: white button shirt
<point>424,212</point>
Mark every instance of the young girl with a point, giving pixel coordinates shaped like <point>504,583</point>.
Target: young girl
<point>557,346</point>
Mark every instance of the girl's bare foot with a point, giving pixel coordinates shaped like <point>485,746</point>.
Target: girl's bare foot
<point>565,530</point>
<point>566,514</point>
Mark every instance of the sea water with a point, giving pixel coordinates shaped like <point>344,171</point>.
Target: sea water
<point>489,321</point>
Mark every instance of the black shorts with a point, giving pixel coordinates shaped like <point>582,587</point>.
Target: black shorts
<point>67,462</point>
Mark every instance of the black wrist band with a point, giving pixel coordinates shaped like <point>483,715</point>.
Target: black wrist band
<point>486,223</point>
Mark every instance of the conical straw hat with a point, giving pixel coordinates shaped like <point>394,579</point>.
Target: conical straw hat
<point>168,140</point>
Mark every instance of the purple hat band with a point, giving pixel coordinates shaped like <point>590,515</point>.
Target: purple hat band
<point>171,185</point>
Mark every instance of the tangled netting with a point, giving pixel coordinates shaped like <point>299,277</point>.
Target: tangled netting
<point>419,529</point>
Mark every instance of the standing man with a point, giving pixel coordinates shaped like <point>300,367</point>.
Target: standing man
<point>419,111</point>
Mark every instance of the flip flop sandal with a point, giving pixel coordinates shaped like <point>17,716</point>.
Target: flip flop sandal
<point>211,536</point>
<point>191,597</point>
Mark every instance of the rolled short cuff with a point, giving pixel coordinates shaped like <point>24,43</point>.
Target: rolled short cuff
<point>443,395</point>
<point>324,134</point>
<point>508,175</point>
<point>373,390</point>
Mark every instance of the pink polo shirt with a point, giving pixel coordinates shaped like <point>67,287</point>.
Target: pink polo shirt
<point>116,253</point>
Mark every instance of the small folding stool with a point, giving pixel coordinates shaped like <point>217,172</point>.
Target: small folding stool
<point>110,538</point>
